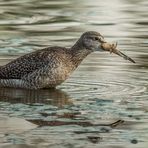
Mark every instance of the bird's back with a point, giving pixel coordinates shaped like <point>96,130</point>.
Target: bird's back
<point>28,63</point>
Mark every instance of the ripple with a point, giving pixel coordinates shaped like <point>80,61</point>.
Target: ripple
<point>108,88</point>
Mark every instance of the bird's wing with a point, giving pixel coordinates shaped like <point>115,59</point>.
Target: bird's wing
<point>28,63</point>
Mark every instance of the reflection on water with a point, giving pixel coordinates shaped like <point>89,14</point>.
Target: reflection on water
<point>105,88</point>
<point>54,97</point>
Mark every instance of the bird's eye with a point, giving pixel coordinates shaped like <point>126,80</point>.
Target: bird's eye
<point>96,39</point>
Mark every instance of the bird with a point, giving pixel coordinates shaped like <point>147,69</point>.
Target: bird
<point>51,66</point>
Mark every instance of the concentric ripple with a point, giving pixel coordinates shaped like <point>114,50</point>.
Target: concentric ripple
<point>105,88</point>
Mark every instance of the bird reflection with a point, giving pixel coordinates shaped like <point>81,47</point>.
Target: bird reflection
<point>54,97</point>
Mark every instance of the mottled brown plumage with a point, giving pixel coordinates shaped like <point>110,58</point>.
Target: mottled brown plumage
<point>49,67</point>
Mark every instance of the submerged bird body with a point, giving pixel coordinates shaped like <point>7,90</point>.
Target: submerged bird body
<point>48,67</point>
<point>44,68</point>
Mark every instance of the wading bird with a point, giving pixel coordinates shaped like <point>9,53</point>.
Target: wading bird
<point>49,67</point>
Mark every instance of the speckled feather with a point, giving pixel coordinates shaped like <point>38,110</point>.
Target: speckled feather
<point>48,67</point>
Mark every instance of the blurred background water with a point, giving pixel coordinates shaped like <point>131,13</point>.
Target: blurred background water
<point>103,89</point>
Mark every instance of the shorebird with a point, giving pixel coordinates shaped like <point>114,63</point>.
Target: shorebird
<point>49,67</point>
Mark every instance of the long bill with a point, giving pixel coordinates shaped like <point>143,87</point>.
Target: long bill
<point>112,48</point>
<point>123,56</point>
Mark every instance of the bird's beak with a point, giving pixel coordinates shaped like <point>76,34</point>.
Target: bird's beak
<point>112,48</point>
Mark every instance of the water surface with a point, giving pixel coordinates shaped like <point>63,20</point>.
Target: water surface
<point>104,89</point>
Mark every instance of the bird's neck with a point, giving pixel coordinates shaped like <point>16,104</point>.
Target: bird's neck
<point>79,52</point>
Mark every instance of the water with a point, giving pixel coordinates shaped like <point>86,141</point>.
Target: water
<point>104,89</point>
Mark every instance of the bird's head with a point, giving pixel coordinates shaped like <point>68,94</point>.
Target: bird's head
<point>94,41</point>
